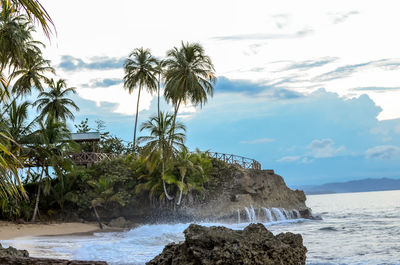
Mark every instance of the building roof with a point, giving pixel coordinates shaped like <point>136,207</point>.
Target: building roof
<point>86,137</point>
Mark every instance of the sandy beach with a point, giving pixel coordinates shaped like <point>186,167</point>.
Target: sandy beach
<point>9,230</point>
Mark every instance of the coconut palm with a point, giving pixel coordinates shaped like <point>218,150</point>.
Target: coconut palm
<point>55,104</point>
<point>160,130</point>
<point>32,74</point>
<point>140,73</point>
<point>189,76</point>
<point>49,145</point>
<point>15,35</point>
<point>159,69</point>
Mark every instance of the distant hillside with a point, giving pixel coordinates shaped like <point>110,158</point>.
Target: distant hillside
<point>354,186</point>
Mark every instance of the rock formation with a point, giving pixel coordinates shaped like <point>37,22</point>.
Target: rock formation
<point>255,245</point>
<point>233,188</point>
<point>13,256</point>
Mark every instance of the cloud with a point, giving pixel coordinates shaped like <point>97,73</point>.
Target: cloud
<point>376,89</point>
<point>324,148</point>
<point>341,17</point>
<point>70,63</point>
<point>383,152</point>
<point>308,64</point>
<point>258,141</point>
<point>106,82</point>
<point>288,159</point>
<point>348,70</point>
<point>273,90</point>
<point>266,36</point>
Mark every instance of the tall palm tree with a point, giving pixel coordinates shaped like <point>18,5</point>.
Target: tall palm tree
<point>160,130</point>
<point>55,104</point>
<point>159,69</point>
<point>140,73</point>
<point>189,77</point>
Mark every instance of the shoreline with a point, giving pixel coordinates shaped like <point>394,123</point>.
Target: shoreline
<point>10,230</point>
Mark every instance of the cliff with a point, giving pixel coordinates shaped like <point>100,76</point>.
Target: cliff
<point>234,191</point>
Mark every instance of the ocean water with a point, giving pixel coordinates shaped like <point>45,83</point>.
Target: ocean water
<point>357,228</point>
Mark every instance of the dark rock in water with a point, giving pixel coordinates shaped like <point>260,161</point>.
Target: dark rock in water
<point>12,252</point>
<point>13,256</point>
<point>40,261</point>
<point>255,245</point>
<point>119,222</point>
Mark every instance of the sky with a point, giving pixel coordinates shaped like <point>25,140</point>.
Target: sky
<point>310,89</point>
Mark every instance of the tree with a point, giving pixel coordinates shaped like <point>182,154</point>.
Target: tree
<point>49,145</point>
<point>32,74</point>
<point>160,130</point>
<point>159,69</point>
<point>189,76</point>
<point>55,104</point>
<point>35,12</point>
<point>139,73</point>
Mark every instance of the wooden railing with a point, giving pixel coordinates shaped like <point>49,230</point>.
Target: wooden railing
<point>88,158</point>
<point>243,162</point>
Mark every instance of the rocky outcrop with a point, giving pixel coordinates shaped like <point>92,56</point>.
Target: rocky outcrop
<point>13,256</point>
<point>12,252</point>
<point>254,245</point>
<point>233,188</point>
<point>39,261</point>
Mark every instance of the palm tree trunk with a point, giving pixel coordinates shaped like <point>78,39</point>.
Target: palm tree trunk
<point>164,185</point>
<point>137,114</point>
<point>158,94</point>
<point>97,217</point>
<point>174,121</point>
<point>180,194</point>
<point>37,197</point>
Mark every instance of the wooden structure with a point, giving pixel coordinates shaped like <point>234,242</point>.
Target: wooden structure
<point>92,138</point>
<point>89,158</point>
<point>241,161</point>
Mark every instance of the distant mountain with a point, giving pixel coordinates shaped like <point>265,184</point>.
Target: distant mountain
<point>354,186</point>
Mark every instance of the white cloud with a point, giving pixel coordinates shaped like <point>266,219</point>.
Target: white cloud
<point>288,159</point>
<point>324,148</point>
<point>258,141</point>
<point>383,152</point>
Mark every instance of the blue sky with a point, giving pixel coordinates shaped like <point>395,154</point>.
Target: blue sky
<point>310,92</point>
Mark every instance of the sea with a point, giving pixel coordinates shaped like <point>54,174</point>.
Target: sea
<point>356,228</point>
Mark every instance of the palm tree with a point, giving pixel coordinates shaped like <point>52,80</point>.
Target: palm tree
<point>35,12</point>
<point>48,145</point>
<point>160,128</point>
<point>159,69</point>
<point>189,76</point>
<point>55,104</point>
<point>140,72</point>
<point>32,74</point>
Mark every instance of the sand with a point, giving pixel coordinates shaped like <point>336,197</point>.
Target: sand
<point>10,230</point>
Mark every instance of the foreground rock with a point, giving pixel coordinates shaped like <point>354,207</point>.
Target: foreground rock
<point>12,252</point>
<point>39,261</point>
<point>255,245</point>
<point>13,256</point>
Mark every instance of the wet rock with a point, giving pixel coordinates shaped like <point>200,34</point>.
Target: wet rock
<point>12,252</point>
<point>40,261</point>
<point>233,188</point>
<point>255,245</point>
<point>119,222</point>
